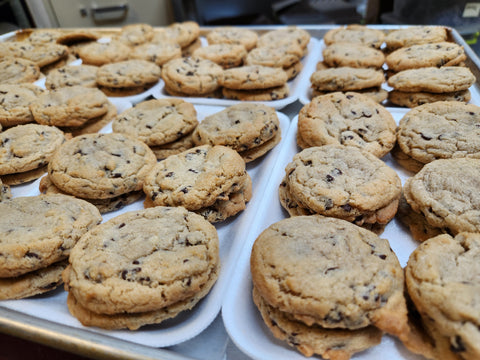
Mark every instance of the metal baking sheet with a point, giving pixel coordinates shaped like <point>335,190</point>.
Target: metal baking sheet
<point>242,319</point>
<point>51,307</point>
<point>98,345</point>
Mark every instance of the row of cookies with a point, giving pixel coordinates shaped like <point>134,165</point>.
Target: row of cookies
<point>414,57</point>
<point>325,286</point>
<point>238,64</point>
<point>108,269</point>
<point>227,47</point>
<point>414,68</point>
<point>333,302</point>
<point>113,155</point>
<point>118,65</point>
<point>334,179</point>
<point>352,61</point>
<point>444,130</point>
<point>153,130</point>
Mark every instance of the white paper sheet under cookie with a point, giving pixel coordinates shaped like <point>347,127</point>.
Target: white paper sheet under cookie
<point>232,232</point>
<point>296,85</point>
<point>242,319</point>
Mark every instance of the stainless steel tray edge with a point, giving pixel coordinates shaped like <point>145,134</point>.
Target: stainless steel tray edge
<point>78,341</point>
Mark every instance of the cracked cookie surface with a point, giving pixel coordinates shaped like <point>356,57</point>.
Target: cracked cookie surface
<point>143,261</point>
<point>441,130</point>
<point>196,178</point>
<point>157,122</point>
<point>101,166</point>
<point>28,147</point>
<point>241,127</point>
<point>329,272</point>
<point>349,119</point>
<point>343,182</point>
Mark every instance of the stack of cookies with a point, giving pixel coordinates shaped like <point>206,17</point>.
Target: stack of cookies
<point>101,53</point>
<point>415,87</point>
<point>415,66</point>
<point>186,34</point>
<point>442,279</point>
<point>141,267</point>
<point>209,180</point>
<point>165,125</point>
<point>25,151</point>
<point>250,129</point>
<point>327,287</point>
<point>107,170</point>
<point>352,61</point>
<point>192,76</point>
<point>428,132</point>
<point>364,80</point>
<point>129,77</point>
<point>355,34</point>
<point>349,119</point>
<point>442,198</point>
<point>342,182</point>
<point>73,108</point>
<point>147,46</point>
<point>233,35</point>
<point>255,83</point>
<point>41,54</point>
<point>68,38</point>
<point>225,55</point>
<point>279,48</point>
<point>38,233</point>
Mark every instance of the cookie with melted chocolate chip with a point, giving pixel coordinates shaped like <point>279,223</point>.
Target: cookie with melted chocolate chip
<point>329,274</point>
<point>196,178</point>
<point>101,166</point>
<point>142,267</point>
<point>343,182</point>
<point>349,119</point>
<point>158,121</point>
<point>241,127</point>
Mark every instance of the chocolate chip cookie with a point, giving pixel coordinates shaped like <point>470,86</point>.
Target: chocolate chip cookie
<point>41,230</point>
<point>101,166</point>
<point>114,270</point>
<point>330,273</point>
<point>348,119</point>
<point>157,122</point>
<point>344,182</point>
<point>196,178</point>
